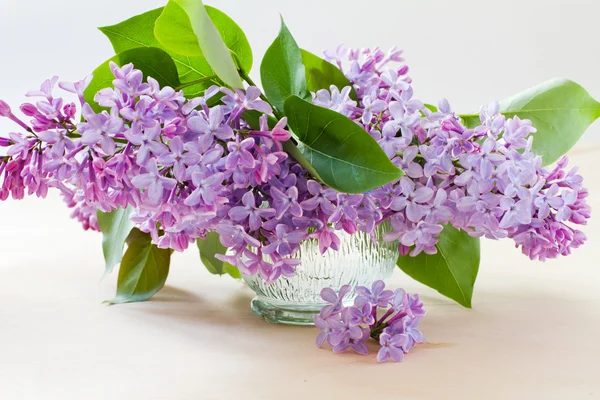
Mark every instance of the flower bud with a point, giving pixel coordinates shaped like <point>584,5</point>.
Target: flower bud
<point>4,142</point>
<point>28,109</point>
<point>4,109</point>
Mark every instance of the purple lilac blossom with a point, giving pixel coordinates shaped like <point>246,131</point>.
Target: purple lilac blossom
<point>188,168</point>
<point>395,327</point>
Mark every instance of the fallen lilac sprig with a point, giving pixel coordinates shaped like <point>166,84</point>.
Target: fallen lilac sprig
<point>396,330</point>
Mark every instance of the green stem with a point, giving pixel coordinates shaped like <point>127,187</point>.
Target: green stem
<point>197,81</point>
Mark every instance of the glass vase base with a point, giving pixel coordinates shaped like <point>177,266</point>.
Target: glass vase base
<point>289,314</point>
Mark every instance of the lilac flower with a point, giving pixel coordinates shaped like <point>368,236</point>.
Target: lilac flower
<point>21,146</point>
<point>239,152</point>
<point>148,144</point>
<point>358,344</point>
<point>386,194</point>
<point>362,315</point>
<point>406,162</point>
<point>346,207</point>
<point>192,104</point>
<point>213,127</point>
<point>178,158</point>
<point>395,82</point>
<point>50,109</point>
<point>389,142</point>
<point>77,87</point>
<point>235,236</point>
<point>59,141</point>
<point>423,234</point>
<point>285,267</point>
<point>45,89</point>
<point>327,239</point>
<point>286,201</point>
<point>407,325</point>
<point>413,200</point>
<point>319,198</point>
<point>462,143</point>
<point>371,105</point>
<point>207,184</point>
<point>129,80</point>
<point>439,211</point>
<point>400,301</point>
<point>336,100</point>
<point>392,347</point>
<point>249,210</point>
<point>154,183</point>
<point>377,296</point>
<point>139,116</point>
<point>548,199</point>
<point>415,306</point>
<point>253,263</point>
<point>250,100</point>
<point>343,328</point>
<point>324,325</point>
<point>516,212</point>
<point>284,241</point>
<point>99,128</point>
<point>335,300</point>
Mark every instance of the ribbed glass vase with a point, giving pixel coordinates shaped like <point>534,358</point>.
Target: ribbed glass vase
<point>358,262</point>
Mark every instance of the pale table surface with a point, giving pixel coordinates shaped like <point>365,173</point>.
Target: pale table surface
<point>533,333</point>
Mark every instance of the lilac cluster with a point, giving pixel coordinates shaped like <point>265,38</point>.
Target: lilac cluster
<point>188,168</point>
<point>395,326</point>
<point>485,181</point>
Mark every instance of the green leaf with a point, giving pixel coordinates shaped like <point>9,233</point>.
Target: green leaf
<point>143,271</point>
<point>343,154</point>
<point>185,27</point>
<point>561,111</point>
<point>233,271</point>
<point>151,61</point>
<point>209,247</point>
<point>281,71</point>
<point>234,37</point>
<point>321,74</point>
<point>431,107</point>
<point>453,270</point>
<point>115,227</point>
<point>139,32</point>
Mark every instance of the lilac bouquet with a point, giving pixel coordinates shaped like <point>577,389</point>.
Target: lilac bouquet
<point>351,327</point>
<point>170,143</point>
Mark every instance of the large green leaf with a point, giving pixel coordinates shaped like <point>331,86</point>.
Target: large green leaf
<point>185,28</point>
<point>139,32</point>
<point>115,227</point>
<point>151,61</point>
<point>281,71</point>
<point>560,109</point>
<point>143,271</point>
<point>343,154</point>
<point>209,247</point>
<point>321,74</point>
<point>453,270</point>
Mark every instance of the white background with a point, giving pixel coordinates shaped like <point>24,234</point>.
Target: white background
<point>469,51</point>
